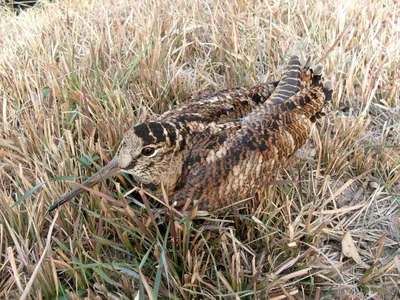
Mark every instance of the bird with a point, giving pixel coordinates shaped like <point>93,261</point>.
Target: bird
<point>215,150</point>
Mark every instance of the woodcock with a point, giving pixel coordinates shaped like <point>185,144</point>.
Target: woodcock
<point>218,149</point>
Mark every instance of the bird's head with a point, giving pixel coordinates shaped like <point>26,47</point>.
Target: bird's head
<point>152,153</point>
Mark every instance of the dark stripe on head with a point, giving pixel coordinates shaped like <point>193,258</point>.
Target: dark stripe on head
<point>182,143</point>
<point>142,131</point>
<point>171,132</point>
<point>158,131</point>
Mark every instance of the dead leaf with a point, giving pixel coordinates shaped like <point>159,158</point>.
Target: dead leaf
<point>349,248</point>
<point>397,262</point>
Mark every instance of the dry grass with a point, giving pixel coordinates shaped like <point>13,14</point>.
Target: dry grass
<point>74,76</point>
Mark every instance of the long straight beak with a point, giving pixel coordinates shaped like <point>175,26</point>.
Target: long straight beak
<point>107,171</point>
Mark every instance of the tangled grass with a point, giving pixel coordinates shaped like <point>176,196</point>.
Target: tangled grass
<point>75,75</point>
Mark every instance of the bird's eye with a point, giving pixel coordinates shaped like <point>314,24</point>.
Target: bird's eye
<point>147,151</point>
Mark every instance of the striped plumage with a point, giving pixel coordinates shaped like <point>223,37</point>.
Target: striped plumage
<point>222,148</point>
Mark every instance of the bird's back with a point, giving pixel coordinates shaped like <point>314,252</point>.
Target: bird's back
<point>235,159</point>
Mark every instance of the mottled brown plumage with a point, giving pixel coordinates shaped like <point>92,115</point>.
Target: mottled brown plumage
<point>221,148</point>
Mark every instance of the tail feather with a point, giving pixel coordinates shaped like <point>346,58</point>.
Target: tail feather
<point>290,83</point>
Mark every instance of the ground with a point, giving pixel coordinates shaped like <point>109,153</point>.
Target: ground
<point>75,75</point>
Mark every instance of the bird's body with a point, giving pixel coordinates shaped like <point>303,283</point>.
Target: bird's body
<point>217,150</point>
